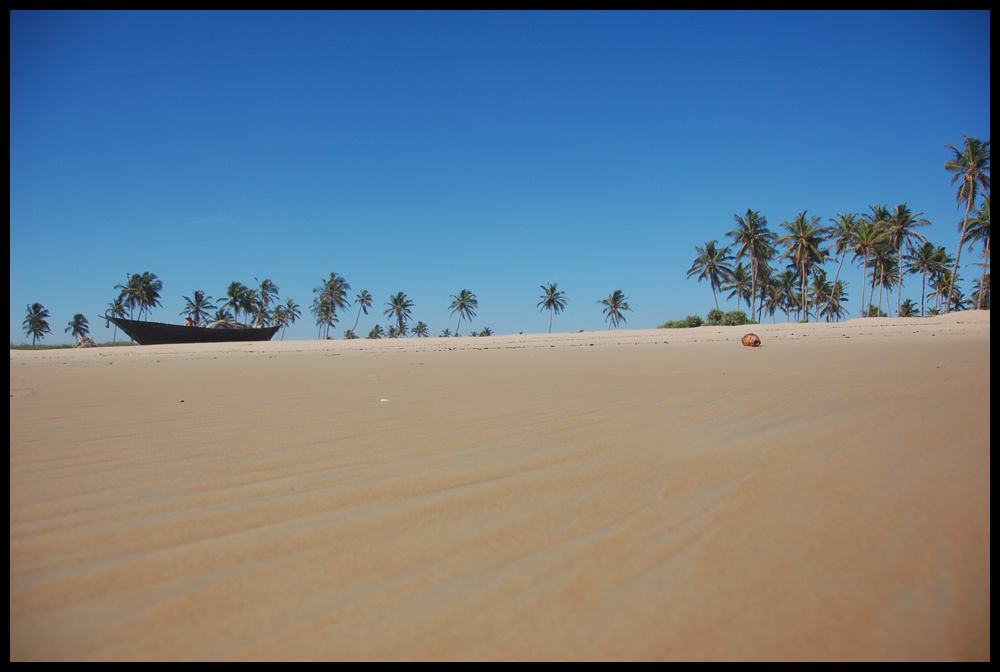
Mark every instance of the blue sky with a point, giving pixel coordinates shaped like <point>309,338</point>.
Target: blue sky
<point>495,152</point>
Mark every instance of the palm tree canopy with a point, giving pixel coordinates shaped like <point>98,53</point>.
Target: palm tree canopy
<point>971,166</point>
<point>198,307</point>
<point>803,241</point>
<point>552,299</point>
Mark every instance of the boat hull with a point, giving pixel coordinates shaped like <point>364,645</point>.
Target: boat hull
<point>157,333</point>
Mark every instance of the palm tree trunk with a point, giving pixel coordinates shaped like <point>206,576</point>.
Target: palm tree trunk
<point>899,292</point>
<point>804,292</point>
<point>958,255</point>
<point>982,278</point>
<point>923,294</point>
<point>864,281</point>
<point>836,277</point>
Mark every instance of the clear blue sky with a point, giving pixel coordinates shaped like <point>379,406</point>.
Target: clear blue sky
<point>429,153</point>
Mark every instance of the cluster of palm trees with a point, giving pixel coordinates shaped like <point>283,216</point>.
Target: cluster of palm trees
<point>884,242</point>
<point>36,324</point>
<point>260,306</point>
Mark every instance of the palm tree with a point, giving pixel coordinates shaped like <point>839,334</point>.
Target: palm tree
<point>78,326</point>
<point>756,242</point>
<point>222,315</point>
<point>237,293</point>
<point>613,307</point>
<point>364,300</point>
<point>465,305</point>
<point>376,332</point>
<point>331,295</point>
<point>420,330</point>
<point>198,307</point>
<point>739,282</point>
<point>803,248</point>
<point>840,235</point>
<point>290,313</point>
<point>116,309</point>
<point>835,307</point>
<point>926,260</point>
<point>265,295</point>
<point>899,232</point>
<point>349,335</point>
<point>36,322</point>
<point>552,301</point>
<point>486,332</point>
<point>445,334</point>
<point>399,306</point>
<point>712,264</point>
<point>869,235</point>
<point>142,292</point>
<point>130,292</point>
<point>149,293</point>
<point>979,229</point>
<point>908,309</point>
<point>971,166</point>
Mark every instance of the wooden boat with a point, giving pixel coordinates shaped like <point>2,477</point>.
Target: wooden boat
<point>158,333</point>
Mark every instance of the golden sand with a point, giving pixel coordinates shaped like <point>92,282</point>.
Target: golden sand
<point>629,495</point>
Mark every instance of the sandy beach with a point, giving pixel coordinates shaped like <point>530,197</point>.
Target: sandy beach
<point>653,494</point>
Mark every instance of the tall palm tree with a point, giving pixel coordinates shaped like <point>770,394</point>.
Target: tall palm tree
<point>142,292</point>
<point>290,315</point>
<point>614,305</point>
<point>364,302</point>
<point>971,166</point>
<point>236,292</point>
<point>979,229</point>
<point>198,307</point>
<point>265,295</point>
<point>840,235</point>
<point>78,326</point>
<point>926,260</point>
<point>869,235</point>
<point>465,305</point>
<point>805,236</point>
<point>149,293</point>
<point>756,242</point>
<point>553,301</point>
<point>36,322</point>
<point>399,306</point>
<point>712,264</point>
<point>900,231</point>
<point>129,295</point>
<point>331,295</point>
